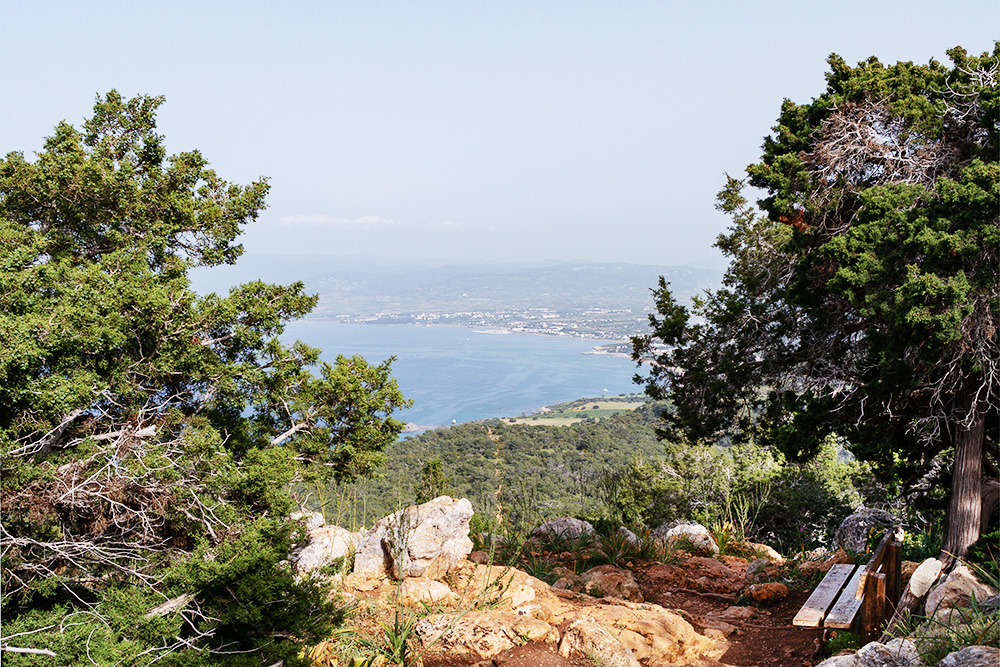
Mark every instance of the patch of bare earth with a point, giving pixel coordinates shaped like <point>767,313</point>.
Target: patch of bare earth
<point>712,594</point>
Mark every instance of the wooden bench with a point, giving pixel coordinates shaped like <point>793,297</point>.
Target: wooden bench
<point>860,598</point>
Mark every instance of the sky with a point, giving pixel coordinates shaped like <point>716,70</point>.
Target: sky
<point>472,131</point>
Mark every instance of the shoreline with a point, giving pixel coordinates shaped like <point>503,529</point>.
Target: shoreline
<point>608,338</point>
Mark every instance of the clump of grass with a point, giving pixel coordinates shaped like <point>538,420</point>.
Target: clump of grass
<point>974,626</point>
<point>615,548</point>
<point>394,642</point>
<point>842,640</point>
<point>537,566</point>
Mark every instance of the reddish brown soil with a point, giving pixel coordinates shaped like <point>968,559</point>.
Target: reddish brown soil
<point>767,639</point>
<point>533,654</point>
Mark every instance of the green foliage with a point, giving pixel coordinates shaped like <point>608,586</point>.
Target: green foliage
<point>395,641</point>
<point>528,473</point>
<point>433,482</point>
<point>150,437</point>
<point>966,626</point>
<point>844,640</point>
<point>984,557</point>
<point>862,296</point>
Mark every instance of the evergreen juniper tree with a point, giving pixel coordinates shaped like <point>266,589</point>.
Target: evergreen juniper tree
<point>149,436</point>
<point>863,294</point>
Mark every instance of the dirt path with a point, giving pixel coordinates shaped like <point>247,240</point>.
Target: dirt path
<point>759,635</point>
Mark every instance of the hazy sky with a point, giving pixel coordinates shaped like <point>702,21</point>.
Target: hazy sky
<point>477,130</point>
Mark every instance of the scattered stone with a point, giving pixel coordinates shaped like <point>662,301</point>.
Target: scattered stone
<point>840,661</point>
<point>586,638</point>
<point>427,540</point>
<point>838,557</point>
<point>480,557</point>
<point>565,527</point>
<point>608,580</point>
<point>906,570</point>
<point>854,531</point>
<point>632,538</point>
<point>756,567</point>
<point>568,584</point>
<point>972,656</point>
<point>766,552</point>
<point>897,653</point>
<point>956,591</point>
<point>695,533</point>
<point>817,553</point>
<point>738,612</point>
<point>769,592</point>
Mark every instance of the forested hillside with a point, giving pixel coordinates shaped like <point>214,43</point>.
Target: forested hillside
<point>535,471</point>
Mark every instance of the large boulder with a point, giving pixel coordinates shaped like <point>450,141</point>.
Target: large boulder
<point>896,653</point>
<point>956,590</point>
<point>586,638</point>
<point>326,545</point>
<point>695,533</point>
<point>426,540</point>
<point>855,530</point>
<point>972,656</point>
<point>565,527</point>
<point>608,580</point>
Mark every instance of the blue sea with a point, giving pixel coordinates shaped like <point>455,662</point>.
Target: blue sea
<point>462,374</point>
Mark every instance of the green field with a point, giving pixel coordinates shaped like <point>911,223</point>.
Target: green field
<point>565,414</point>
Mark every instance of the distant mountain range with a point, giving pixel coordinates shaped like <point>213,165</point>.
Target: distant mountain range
<point>372,289</point>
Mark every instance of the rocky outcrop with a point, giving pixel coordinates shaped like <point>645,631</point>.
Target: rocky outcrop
<point>482,633</point>
<point>426,540</point>
<point>509,607</point>
<point>492,609</point>
<point>855,531</point>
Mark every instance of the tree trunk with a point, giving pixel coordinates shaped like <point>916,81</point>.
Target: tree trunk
<point>965,508</point>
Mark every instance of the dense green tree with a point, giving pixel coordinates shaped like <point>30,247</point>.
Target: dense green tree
<point>865,299</point>
<point>149,436</point>
<point>433,482</point>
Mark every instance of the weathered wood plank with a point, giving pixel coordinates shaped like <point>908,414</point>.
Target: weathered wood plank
<point>847,605</point>
<point>873,607</point>
<point>814,610</point>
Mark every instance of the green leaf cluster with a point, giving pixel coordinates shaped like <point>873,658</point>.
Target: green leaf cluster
<point>150,437</point>
<point>862,297</point>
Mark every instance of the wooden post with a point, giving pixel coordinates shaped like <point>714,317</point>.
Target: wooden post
<point>892,568</point>
<point>872,607</point>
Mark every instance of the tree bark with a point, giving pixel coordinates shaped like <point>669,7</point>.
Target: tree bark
<point>965,507</point>
<point>991,500</point>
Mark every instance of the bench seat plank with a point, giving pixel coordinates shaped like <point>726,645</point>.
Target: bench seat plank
<point>814,610</point>
<point>847,605</point>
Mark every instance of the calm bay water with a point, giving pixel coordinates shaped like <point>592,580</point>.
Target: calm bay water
<point>462,374</point>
